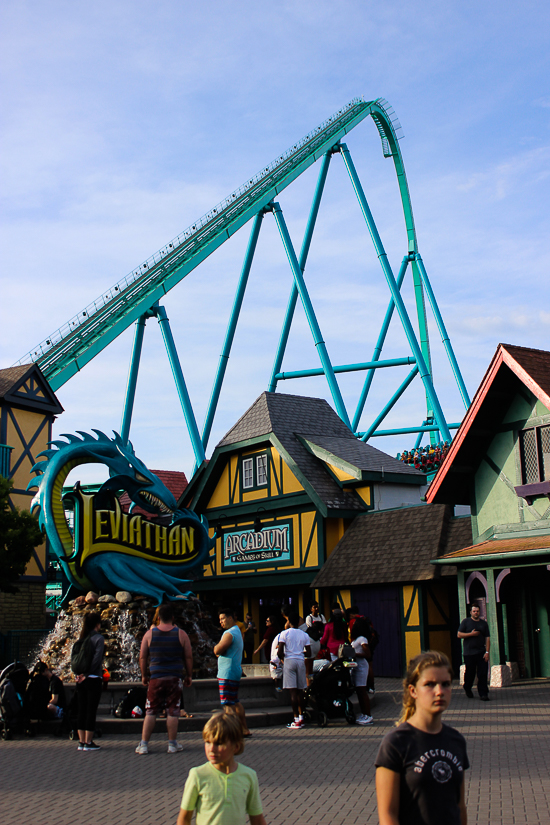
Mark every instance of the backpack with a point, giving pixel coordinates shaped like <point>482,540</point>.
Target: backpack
<point>82,655</point>
<point>135,696</point>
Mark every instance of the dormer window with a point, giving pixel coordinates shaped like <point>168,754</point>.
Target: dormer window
<point>261,470</point>
<point>534,445</point>
<point>254,471</point>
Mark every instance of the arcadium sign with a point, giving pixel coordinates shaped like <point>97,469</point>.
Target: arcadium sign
<point>270,546</point>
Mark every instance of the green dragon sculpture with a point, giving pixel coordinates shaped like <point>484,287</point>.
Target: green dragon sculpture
<point>111,550</point>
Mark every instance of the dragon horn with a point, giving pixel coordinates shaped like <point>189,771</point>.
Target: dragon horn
<point>100,435</point>
<point>39,467</point>
<point>59,444</point>
<point>73,439</point>
<point>48,453</point>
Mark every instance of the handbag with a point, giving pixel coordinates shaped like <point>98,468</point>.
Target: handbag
<point>346,651</point>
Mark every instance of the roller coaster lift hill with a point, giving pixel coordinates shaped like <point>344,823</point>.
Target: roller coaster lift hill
<point>136,297</point>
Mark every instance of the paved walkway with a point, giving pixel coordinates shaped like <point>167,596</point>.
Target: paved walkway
<point>309,777</point>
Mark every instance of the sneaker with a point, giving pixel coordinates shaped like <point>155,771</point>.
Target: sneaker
<point>295,725</point>
<point>91,746</point>
<point>468,692</point>
<point>174,747</point>
<point>142,748</point>
<point>81,746</point>
<point>364,720</point>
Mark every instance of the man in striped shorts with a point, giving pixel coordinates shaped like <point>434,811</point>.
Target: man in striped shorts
<point>229,651</point>
<point>167,647</point>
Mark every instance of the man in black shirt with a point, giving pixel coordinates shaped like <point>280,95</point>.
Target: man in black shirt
<point>56,705</point>
<point>477,643</point>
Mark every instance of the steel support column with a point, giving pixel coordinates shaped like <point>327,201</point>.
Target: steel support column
<point>133,376</point>
<point>378,346</point>
<point>310,314</point>
<point>291,306</point>
<point>185,401</point>
<point>231,327</point>
<point>398,300</point>
<point>443,332</point>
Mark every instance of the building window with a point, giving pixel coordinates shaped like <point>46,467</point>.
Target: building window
<point>261,470</point>
<point>248,473</point>
<point>254,472</point>
<point>535,454</point>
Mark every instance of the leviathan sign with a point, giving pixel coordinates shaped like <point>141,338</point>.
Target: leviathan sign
<point>270,546</point>
<point>110,549</point>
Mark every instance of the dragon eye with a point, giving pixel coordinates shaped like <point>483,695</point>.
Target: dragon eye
<point>140,477</point>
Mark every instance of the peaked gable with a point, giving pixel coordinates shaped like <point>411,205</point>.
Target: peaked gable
<point>511,370</point>
<point>293,424</point>
<point>25,386</point>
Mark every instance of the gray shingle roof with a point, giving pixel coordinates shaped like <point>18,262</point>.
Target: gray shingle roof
<point>394,546</point>
<point>11,376</point>
<point>25,386</point>
<point>289,416</point>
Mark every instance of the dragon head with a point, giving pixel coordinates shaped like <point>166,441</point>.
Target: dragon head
<point>128,473</point>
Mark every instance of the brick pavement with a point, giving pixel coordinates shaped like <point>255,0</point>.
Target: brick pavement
<point>314,777</point>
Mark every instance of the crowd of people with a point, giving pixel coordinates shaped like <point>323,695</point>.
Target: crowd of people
<point>426,459</point>
<point>420,764</point>
<point>321,641</point>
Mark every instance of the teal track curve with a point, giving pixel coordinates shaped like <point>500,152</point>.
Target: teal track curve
<point>68,349</point>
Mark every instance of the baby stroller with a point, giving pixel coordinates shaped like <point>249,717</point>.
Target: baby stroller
<point>13,683</point>
<point>329,694</point>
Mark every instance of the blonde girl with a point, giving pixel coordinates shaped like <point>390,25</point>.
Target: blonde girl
<point>420,764</point>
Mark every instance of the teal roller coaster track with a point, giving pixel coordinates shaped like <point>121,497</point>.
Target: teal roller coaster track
<point>136,297</point>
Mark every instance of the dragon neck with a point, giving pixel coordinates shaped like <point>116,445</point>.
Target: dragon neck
<point>56,503</point>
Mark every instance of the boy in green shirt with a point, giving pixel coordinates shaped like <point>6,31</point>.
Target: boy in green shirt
<point>223,791</point>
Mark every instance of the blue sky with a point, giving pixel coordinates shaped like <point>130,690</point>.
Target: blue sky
<point>122,123</point>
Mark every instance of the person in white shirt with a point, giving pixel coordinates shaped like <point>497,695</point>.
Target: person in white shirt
<point>294,645</point>
<point>359,641</point>
<point>315,616</point>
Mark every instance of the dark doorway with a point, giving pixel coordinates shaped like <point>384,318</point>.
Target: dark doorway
<point>525,616</point>
<point>381,605</point>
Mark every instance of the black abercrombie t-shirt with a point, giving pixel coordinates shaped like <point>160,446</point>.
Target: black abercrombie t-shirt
<point>431,766</point>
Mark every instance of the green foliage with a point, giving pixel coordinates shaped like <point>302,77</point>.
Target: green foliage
<point>19,535</point>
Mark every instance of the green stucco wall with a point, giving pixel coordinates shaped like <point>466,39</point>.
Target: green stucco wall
<point>496,502</point>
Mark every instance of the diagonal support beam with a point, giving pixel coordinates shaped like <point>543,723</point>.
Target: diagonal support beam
<point>378,347</point>
<point>443,332</point>
<point>391,403</point>
<point>181,387</point>
<point>291,306</point>
<point>133,376</point>
<point>310,314</point>
<point>231,327</point>
<point>396,295</point>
